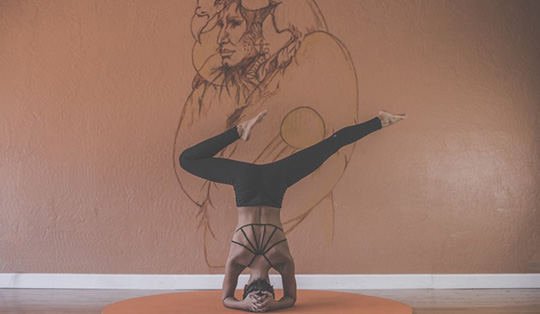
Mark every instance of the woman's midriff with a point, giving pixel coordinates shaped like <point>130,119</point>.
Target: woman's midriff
<point>259,215</point>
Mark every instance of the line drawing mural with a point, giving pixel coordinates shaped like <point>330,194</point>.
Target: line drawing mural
<point>251,55</point>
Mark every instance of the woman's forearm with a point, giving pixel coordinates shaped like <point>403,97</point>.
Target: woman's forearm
<point>232,271</point>
<point>233,303</point>
<point>284,302</point>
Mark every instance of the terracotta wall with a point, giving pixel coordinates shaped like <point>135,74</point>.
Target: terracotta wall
<point>91,93</point>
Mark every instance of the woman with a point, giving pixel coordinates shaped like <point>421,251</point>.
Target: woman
<point>259,242</point>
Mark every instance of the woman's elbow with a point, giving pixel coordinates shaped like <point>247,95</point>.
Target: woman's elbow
<point>293,301</point>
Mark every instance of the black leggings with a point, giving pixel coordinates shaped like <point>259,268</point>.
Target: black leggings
<point>273,178</point>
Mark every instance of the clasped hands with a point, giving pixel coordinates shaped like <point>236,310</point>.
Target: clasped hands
<point>262,301</point>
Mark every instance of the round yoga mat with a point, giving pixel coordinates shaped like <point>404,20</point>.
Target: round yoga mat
<point>308,301</point>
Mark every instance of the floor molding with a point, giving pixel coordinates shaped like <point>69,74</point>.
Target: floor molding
<point>322,282</point>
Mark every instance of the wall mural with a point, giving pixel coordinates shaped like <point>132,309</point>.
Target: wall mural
<point>275,55</point>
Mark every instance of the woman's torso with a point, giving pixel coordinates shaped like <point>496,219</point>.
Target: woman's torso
<point>259,240</point>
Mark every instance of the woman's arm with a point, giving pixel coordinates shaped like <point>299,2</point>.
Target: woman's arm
<point>252,302</point>
<point>289,285</point>
<point>232,271</point>
<point>289,289</point>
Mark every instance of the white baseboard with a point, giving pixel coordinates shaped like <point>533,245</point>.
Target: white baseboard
<point>319,282</point>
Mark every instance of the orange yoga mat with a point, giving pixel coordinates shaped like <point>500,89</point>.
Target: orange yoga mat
<point>309,301</point>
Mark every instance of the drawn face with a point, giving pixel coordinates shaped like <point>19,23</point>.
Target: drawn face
<point>233,45</point>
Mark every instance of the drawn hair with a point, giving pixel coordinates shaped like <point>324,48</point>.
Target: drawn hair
<point>254,18</point>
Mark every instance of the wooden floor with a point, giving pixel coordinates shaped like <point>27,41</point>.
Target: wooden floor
<point>477,301</point>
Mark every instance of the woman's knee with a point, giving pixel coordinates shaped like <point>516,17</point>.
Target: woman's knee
<point>185,160</point>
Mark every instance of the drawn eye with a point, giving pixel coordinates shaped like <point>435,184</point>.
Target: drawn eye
<point>235,23</point>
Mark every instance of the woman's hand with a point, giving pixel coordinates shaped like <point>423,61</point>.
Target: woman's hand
<point>268,303</point>
<point>253,302</point>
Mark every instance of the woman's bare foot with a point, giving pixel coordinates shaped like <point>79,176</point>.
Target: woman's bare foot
<point>244,128</point>
<point>389,119</point>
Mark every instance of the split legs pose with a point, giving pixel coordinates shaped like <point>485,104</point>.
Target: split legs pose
<point>199,159</point>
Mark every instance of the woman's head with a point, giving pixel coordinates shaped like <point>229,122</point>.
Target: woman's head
<point>258,285</point>
<point>240,36</point>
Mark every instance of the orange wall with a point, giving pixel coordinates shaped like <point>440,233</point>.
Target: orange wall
<point>90,97</point>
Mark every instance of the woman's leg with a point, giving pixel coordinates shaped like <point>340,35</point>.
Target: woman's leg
<point>199,160</point>
<point>300,164</point>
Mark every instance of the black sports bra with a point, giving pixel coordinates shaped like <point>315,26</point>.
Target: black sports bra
<point>259,246</point>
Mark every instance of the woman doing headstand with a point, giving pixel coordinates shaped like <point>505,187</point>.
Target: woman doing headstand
<point>259,242</point>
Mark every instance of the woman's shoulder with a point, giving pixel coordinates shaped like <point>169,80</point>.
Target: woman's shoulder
<point>238,258</point>
<point>283,261</point>
<point>280,253</point>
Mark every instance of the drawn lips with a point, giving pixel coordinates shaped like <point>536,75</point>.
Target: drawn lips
<point>226,52</point>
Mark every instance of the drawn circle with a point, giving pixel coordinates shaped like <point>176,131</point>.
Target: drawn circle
<point>308,301</point>
<point>296,122</point>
